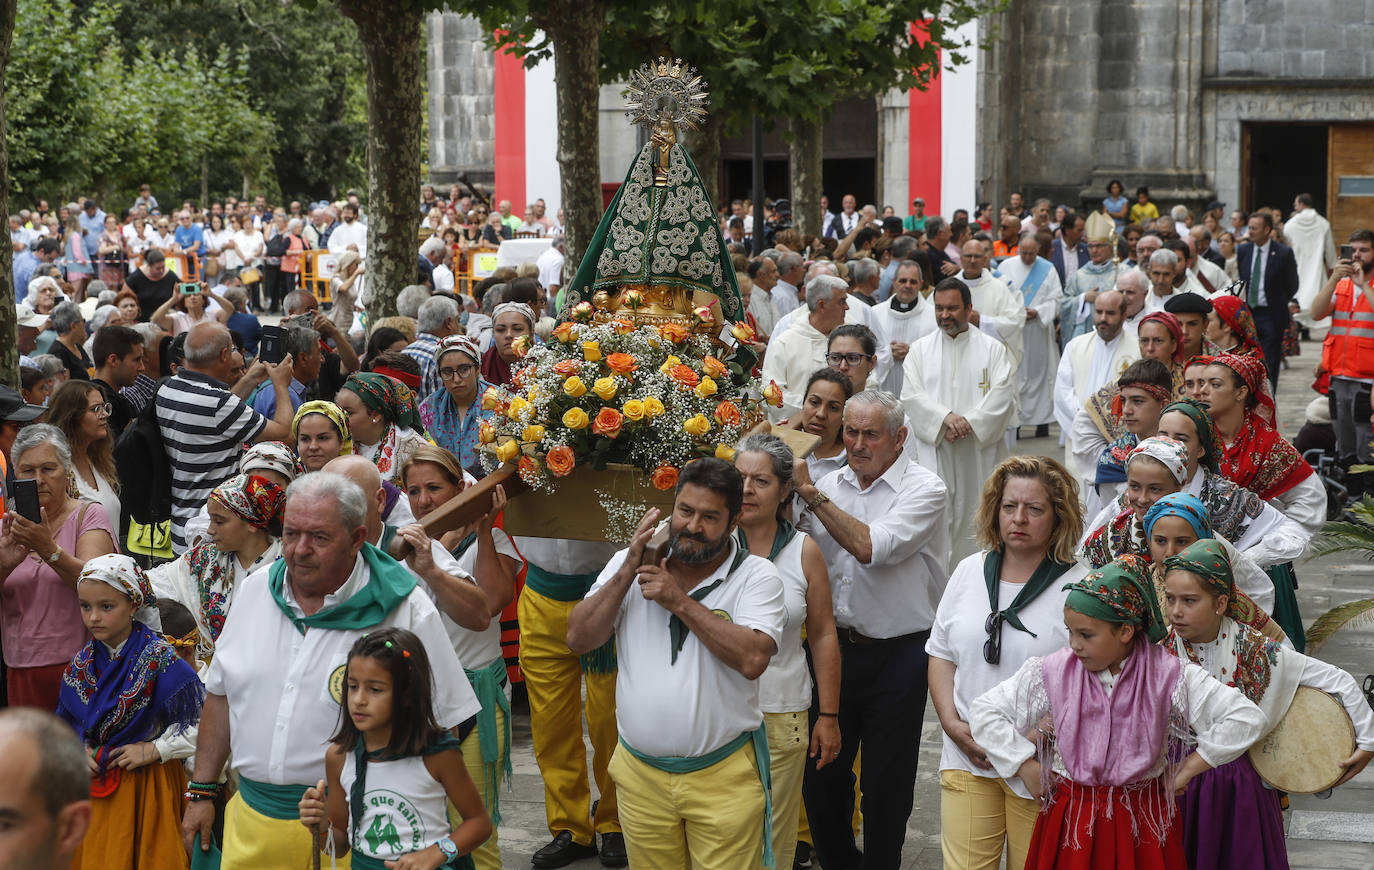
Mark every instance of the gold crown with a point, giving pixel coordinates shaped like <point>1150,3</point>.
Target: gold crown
<point>666,89</point>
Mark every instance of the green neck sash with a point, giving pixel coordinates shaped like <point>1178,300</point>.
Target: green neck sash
<point>677,629</point>
<point>781,538</point>
<point>487,684</point>
<point>1046,573</point>
<point>388,584</point>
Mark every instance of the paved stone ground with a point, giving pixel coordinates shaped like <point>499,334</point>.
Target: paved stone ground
<point>1334,834</point>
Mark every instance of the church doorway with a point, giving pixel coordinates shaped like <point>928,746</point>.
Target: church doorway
<point>1282,161</point>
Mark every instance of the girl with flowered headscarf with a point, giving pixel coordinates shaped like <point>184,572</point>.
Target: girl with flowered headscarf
<point>1231,820</point>
<point>1115,703</point>
<point>124,688</point>
<point>1154,468</point>
<point>384,419</point>
<point>1253,453</point>
<point>244,535</point>
<point>1231,327</point>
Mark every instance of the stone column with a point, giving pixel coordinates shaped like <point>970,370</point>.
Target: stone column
<point>462,80</point>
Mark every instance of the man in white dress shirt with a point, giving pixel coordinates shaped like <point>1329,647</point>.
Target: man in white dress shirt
<point>1090,361</point>
<point>350,234</point>
<point>882,522</point>
<point>764,273</point>
<point>1135,289</point>
<point>274,689</point>
<point>798,350</point>
<point>791,269</point>
<point>693,632</point>
<point>1034,278</point>
<point>959,392</point>
<point>844,222</point>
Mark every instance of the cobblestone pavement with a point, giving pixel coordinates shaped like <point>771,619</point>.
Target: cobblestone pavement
<point>1333,834</point>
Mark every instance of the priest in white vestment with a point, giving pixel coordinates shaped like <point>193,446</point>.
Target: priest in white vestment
<point>1309,234</point>
<point>905,317</point>
<point>1089,362</point>
<point>996,310</point>
<point>959,391</point>
<point>1035,279</point>
<point>796,352</point>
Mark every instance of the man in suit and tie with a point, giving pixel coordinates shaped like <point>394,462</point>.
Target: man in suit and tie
<point>1271,274</point>
<point>846,220</point>
<point>1070,251</point>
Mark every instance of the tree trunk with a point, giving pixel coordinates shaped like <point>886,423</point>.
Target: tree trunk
<point>205,182</point>
<point>704,146</point>
<point>805,152</point>
<point>9,338</point>
<point>575,27</point>
<point>390,36</point>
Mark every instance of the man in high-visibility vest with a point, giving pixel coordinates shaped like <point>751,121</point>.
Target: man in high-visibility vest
<point>1348,352</point>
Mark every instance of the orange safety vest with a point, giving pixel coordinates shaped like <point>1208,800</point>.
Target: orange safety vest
<point>1349,347</point>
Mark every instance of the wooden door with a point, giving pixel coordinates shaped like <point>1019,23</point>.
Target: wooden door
<point>1350,183</point>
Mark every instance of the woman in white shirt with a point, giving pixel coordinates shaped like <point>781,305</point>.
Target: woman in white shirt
<point>822,415</point>
<point>248,246</point>
<point>79,409</point>
<point>1001,607</point>
<point>217,240</point>
<point>765,463</point>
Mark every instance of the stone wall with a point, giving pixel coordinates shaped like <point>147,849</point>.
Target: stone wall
<point>461,73</point>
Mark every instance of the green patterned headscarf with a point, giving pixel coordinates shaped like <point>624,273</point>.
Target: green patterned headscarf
<point>1120,592</point>
<point>1207,560</point>
<point>387,396</point>
<point>1206,429</point>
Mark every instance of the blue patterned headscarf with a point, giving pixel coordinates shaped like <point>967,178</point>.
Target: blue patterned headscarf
<point>1183,505</point>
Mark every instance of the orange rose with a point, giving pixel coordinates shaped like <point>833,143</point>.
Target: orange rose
<point>684,375</point>
<point>664,477</point>
<point>567,368</point>
<point>561,461</point>
<point>622,363</point>
<point>564,331</point>
<point>772,394</point>
<point>714,367</point>
<point>674,332</point>
<point>529,468</point>
<point>608,422</point>
<point>741,331</point>
<point>622,327</point>
<point>728,414</point>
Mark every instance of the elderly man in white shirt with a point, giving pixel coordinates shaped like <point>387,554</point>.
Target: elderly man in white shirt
<point>274,689</point>
<point>693,633</point>
<point>882,522</point>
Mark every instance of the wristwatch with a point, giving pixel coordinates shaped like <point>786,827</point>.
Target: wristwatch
<point>448,848</point>
<point>816,501</point>
<point>56,554</point>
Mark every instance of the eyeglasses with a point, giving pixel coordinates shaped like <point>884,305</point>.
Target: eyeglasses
<point>992,647</point>
<point>104,410</point>
<point>849,359</point>
<point>461,371</point>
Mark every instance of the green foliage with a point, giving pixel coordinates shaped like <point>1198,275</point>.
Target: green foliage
<point>260,94</point>
<point>1344,537</point>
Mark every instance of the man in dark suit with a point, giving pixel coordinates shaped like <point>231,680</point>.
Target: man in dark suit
<point>1271,274</point>
<point>1070,251</point>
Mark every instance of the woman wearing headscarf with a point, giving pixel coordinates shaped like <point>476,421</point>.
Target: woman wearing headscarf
<point>244,535</point>
<point>509,321</point>
<point>1231,326</point>
<point>1230,818</point>
<point>1161,338</point>
<point>125,687</point>
<point>320,431</point>
<point>1117,701</point>
<point>383,418</point>
<point>452,413</point>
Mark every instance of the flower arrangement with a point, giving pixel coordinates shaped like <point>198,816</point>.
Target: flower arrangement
<point>652,397</point>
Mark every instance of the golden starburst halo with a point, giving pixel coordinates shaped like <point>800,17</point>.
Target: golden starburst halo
<point>668,90</point>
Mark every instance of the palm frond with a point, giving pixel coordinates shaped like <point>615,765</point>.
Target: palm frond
<point>1337,536</point>
<point>1351,615</point>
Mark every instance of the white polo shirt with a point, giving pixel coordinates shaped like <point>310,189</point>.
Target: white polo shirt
<point>700,703</point>
<point>476,649</point>
<point>285,688</point>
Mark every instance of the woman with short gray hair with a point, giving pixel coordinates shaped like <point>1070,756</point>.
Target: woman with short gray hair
<point>70,328</point>
<point>40,561</point>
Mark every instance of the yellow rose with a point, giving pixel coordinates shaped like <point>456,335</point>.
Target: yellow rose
<point>591,351</point>
<point>633,410</point>
<point>574,387</point>
<point>491,399</point>
<point>669,364</point>
<point>517,405</point>
<point>725,452</point>
<point>485,433</point>
<point>576,418</point>
<point>653,407</point>
<point>605,388</point>
<point>706,389</point>
<point>532,434</point>
<point>508,450</point>
<point>696,426</point>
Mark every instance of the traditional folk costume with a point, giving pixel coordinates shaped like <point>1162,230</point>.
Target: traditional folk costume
<point>397,404</point>
<point>1231,819</point>
<point>692,764</point>
<point>972,375</point>
<point>452,428</point>
<point>128,694</point>
<point>1041,292</point>
<point>1106,771</point>
<point>204,579</point>
<point>281,674</point>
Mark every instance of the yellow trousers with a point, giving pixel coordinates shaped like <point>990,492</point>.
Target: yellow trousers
<point>253,841</point>
<point>978,816</point>
<point>709,819</point>
<point>787,744</point>
<point>553,678</point>
<point>488,855</point>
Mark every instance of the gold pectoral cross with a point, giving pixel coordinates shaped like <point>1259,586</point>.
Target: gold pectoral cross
<point>984,385</point>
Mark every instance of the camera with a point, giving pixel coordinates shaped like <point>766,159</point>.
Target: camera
<point>272,345</point>
<point>189,288</point>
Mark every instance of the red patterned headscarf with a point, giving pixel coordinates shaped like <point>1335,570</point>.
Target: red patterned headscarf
<point>1170,323</point>
<point>1236,314</point>
<point>254,499</point>
<point>1252,371</point>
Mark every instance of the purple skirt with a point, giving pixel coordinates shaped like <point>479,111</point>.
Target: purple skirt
<point>1230,820</point>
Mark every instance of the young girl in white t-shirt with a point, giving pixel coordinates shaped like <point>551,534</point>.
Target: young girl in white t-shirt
<point>391,768</point>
